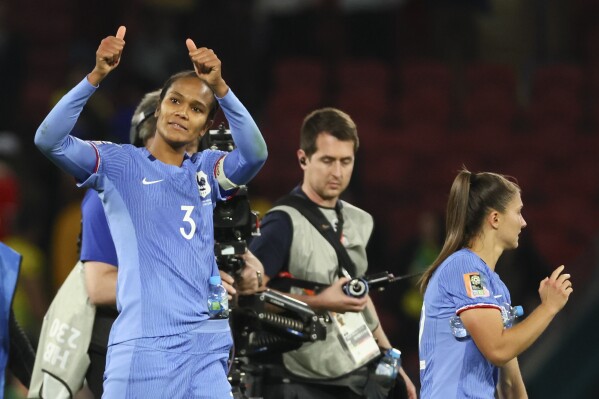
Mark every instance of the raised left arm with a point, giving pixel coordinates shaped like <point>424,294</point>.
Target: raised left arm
<point>242,164</point>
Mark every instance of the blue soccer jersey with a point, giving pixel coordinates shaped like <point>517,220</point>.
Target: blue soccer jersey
<point>452,368</point>
<point>163,278</point>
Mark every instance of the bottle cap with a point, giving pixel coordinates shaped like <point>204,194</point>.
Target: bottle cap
<point>394,353</point>
<point>215,280</point>
<point>518,311</point>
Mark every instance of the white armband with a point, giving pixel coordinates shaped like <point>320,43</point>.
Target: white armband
<point>219,173</point>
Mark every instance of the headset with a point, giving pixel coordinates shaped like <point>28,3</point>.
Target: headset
<point>136,124</point>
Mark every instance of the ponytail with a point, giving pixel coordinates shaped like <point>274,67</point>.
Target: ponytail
<point>455,221</point>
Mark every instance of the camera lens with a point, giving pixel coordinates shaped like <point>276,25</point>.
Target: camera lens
<point>356,288</point>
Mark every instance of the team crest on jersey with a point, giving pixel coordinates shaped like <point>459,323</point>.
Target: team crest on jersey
<point>203,185</point>
<point>475,285</point>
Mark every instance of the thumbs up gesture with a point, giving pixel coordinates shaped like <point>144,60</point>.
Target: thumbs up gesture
<point>108,56</point>
<point>207,67</point>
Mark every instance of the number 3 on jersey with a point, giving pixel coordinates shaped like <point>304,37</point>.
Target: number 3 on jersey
<point>187,218</point>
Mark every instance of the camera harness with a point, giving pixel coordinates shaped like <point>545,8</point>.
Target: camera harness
<point>351,328</point>
<point>311,212</point>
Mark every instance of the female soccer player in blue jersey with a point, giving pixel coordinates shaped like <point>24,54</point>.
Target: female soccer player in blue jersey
<point>484,218</point>
<point>158,203</point>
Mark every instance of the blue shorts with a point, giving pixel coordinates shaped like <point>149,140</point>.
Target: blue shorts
<point>191,365</point>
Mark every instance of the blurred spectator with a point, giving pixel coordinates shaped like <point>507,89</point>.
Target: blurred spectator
<point>20,231</point>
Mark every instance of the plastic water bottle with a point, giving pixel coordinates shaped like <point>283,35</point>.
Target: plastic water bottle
<point>457,327</point>
<point>218,299</point>
<point>510,314</point>
<point>387,368</point>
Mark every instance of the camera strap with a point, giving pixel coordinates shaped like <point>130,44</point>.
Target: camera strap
<point>313,214</point>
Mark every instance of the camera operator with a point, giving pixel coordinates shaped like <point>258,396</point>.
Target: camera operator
<point>289,242</point>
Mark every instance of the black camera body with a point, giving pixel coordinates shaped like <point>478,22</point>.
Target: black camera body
<point>234,221</point>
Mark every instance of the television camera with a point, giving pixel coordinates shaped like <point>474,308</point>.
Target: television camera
<point>234,220</point>
<point>266,322</point>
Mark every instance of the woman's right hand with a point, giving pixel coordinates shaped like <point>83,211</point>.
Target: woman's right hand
<point>108,56</point>
<point>555,290</point>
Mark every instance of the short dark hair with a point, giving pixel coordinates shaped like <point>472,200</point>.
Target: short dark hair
<point>327,120</point>
<point>182,75</point>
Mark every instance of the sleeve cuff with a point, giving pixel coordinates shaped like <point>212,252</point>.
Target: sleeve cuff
<point>477,306</point>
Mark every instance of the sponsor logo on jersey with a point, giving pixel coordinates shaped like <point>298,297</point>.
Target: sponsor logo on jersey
<point>146,181</point>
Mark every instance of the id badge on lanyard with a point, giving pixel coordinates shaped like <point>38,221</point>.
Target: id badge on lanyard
<point>355,336</point>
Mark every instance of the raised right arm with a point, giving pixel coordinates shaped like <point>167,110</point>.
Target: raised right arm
<point>75,156</point>
<point>69,153</point>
